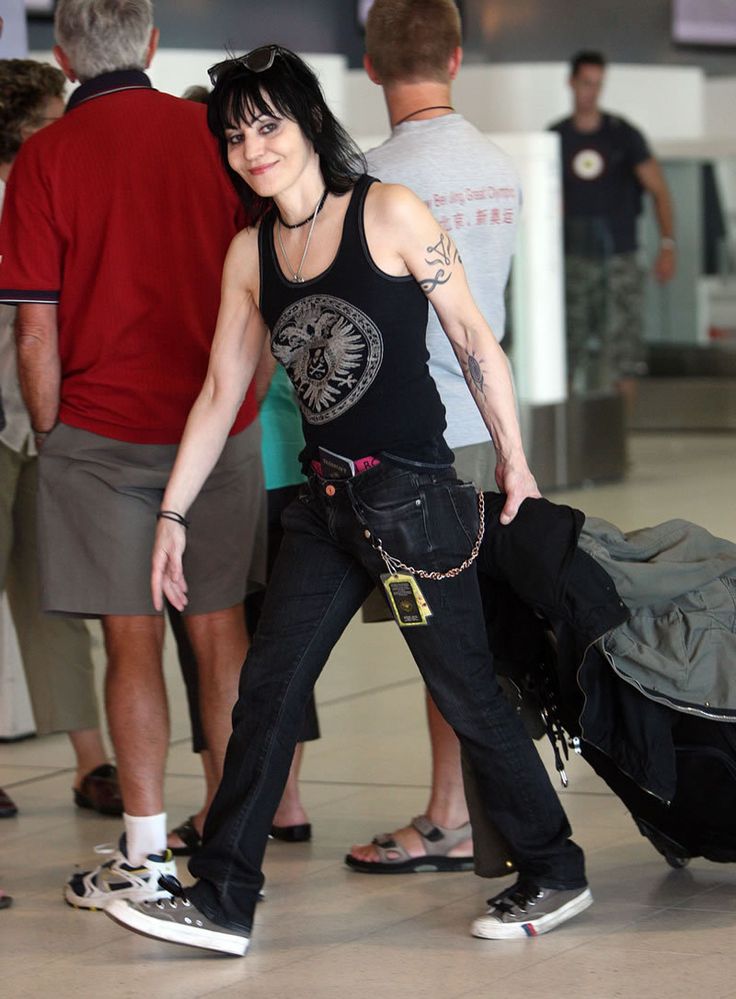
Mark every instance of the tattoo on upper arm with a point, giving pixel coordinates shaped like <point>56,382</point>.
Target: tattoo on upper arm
<point>443,255</point>
<point>474,369</point>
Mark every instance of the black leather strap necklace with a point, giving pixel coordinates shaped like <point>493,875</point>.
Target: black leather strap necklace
<point>298,225</point>
<point>434,107</point>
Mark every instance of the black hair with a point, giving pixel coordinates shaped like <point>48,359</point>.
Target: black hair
<point>288,89</point>
<point>586,58</point>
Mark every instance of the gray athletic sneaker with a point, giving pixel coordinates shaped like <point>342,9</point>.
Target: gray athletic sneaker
<point>525,910</point>
<point>177,920</point>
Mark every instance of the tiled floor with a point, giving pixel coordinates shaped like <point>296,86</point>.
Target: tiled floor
<point>327,933</point>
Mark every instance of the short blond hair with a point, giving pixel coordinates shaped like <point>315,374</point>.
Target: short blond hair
<point>412,41</point>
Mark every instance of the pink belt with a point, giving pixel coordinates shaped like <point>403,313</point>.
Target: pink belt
<point>361,465</point>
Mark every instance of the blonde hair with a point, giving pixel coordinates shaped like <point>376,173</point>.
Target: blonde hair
<point>411,41</point>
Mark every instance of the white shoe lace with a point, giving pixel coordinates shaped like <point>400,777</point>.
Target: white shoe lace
<point>105,849</point>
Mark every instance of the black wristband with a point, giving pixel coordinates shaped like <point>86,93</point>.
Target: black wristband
<point>172,515</point>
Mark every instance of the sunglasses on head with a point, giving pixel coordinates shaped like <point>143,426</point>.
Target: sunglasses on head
<point>257,61</point>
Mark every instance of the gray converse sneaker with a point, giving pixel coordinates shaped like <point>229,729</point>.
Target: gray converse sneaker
<point>524,910</point>
<point>177,920</point>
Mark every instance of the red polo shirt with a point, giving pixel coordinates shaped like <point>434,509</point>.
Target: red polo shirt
<point>121,214</point>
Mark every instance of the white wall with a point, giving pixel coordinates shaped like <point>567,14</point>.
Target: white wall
<point>666,102</point>
<point>173,70</point>
<point>720,106</point>
<point>365,112</point>
<point>539,354</point>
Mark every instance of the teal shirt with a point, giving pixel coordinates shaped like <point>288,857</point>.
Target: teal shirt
<point>282,438</point>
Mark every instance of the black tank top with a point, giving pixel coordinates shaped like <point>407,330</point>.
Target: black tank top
<point>353,342</point>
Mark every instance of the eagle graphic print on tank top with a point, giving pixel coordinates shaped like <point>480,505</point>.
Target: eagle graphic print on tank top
<point>332,352</point>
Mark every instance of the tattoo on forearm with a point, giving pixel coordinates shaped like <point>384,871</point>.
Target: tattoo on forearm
<point>442,256</point>
<point>474,374</point>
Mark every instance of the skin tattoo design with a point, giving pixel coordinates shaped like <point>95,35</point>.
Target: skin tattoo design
<point>444,255</point>
<point>475,371</point>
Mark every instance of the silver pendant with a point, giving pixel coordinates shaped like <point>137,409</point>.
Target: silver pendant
<point>297,275</point>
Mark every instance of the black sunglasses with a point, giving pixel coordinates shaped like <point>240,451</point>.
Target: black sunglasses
<point>257,61</point>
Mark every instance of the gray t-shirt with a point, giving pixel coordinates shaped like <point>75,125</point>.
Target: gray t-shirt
<point>472,189</point>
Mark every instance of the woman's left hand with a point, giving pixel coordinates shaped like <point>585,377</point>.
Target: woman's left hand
<point>517,482</point>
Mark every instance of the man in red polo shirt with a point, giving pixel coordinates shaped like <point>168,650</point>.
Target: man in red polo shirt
<point>116,224</point>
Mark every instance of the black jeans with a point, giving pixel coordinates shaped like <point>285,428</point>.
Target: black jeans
<point>324,571</point>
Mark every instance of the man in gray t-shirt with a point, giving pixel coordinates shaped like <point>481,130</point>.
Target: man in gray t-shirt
<point>471,187</point>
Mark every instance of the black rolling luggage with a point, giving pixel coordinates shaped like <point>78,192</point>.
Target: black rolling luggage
<point>546,603</point>
<point>675,772</point>
<point>678,781</point>
<point>700,821</point>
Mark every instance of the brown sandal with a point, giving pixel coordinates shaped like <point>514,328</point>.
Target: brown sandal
<point>100,791</point>
<point>8,807</point>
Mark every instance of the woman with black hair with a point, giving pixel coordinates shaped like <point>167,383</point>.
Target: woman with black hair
<point>339,269</point>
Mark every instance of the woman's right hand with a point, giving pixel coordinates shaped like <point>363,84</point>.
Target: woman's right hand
<point>167,573</point>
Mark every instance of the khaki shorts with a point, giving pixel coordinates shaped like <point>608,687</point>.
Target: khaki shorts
<point>57,661</point>
<point>97,504</point>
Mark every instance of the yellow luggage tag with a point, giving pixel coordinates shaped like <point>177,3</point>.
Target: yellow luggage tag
<point>406,599</point>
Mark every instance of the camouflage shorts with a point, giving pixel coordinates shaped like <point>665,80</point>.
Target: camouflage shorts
<point>604,300</point>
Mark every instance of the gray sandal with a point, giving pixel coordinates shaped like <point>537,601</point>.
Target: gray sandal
<point>437,840</point>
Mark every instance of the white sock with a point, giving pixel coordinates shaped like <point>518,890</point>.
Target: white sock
<point>144,834</point>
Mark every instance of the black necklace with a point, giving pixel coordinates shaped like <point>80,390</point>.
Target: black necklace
<point>298,225</point>
<point>435,107</point>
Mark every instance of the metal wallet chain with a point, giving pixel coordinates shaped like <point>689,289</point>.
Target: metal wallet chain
<point>393,564</point>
